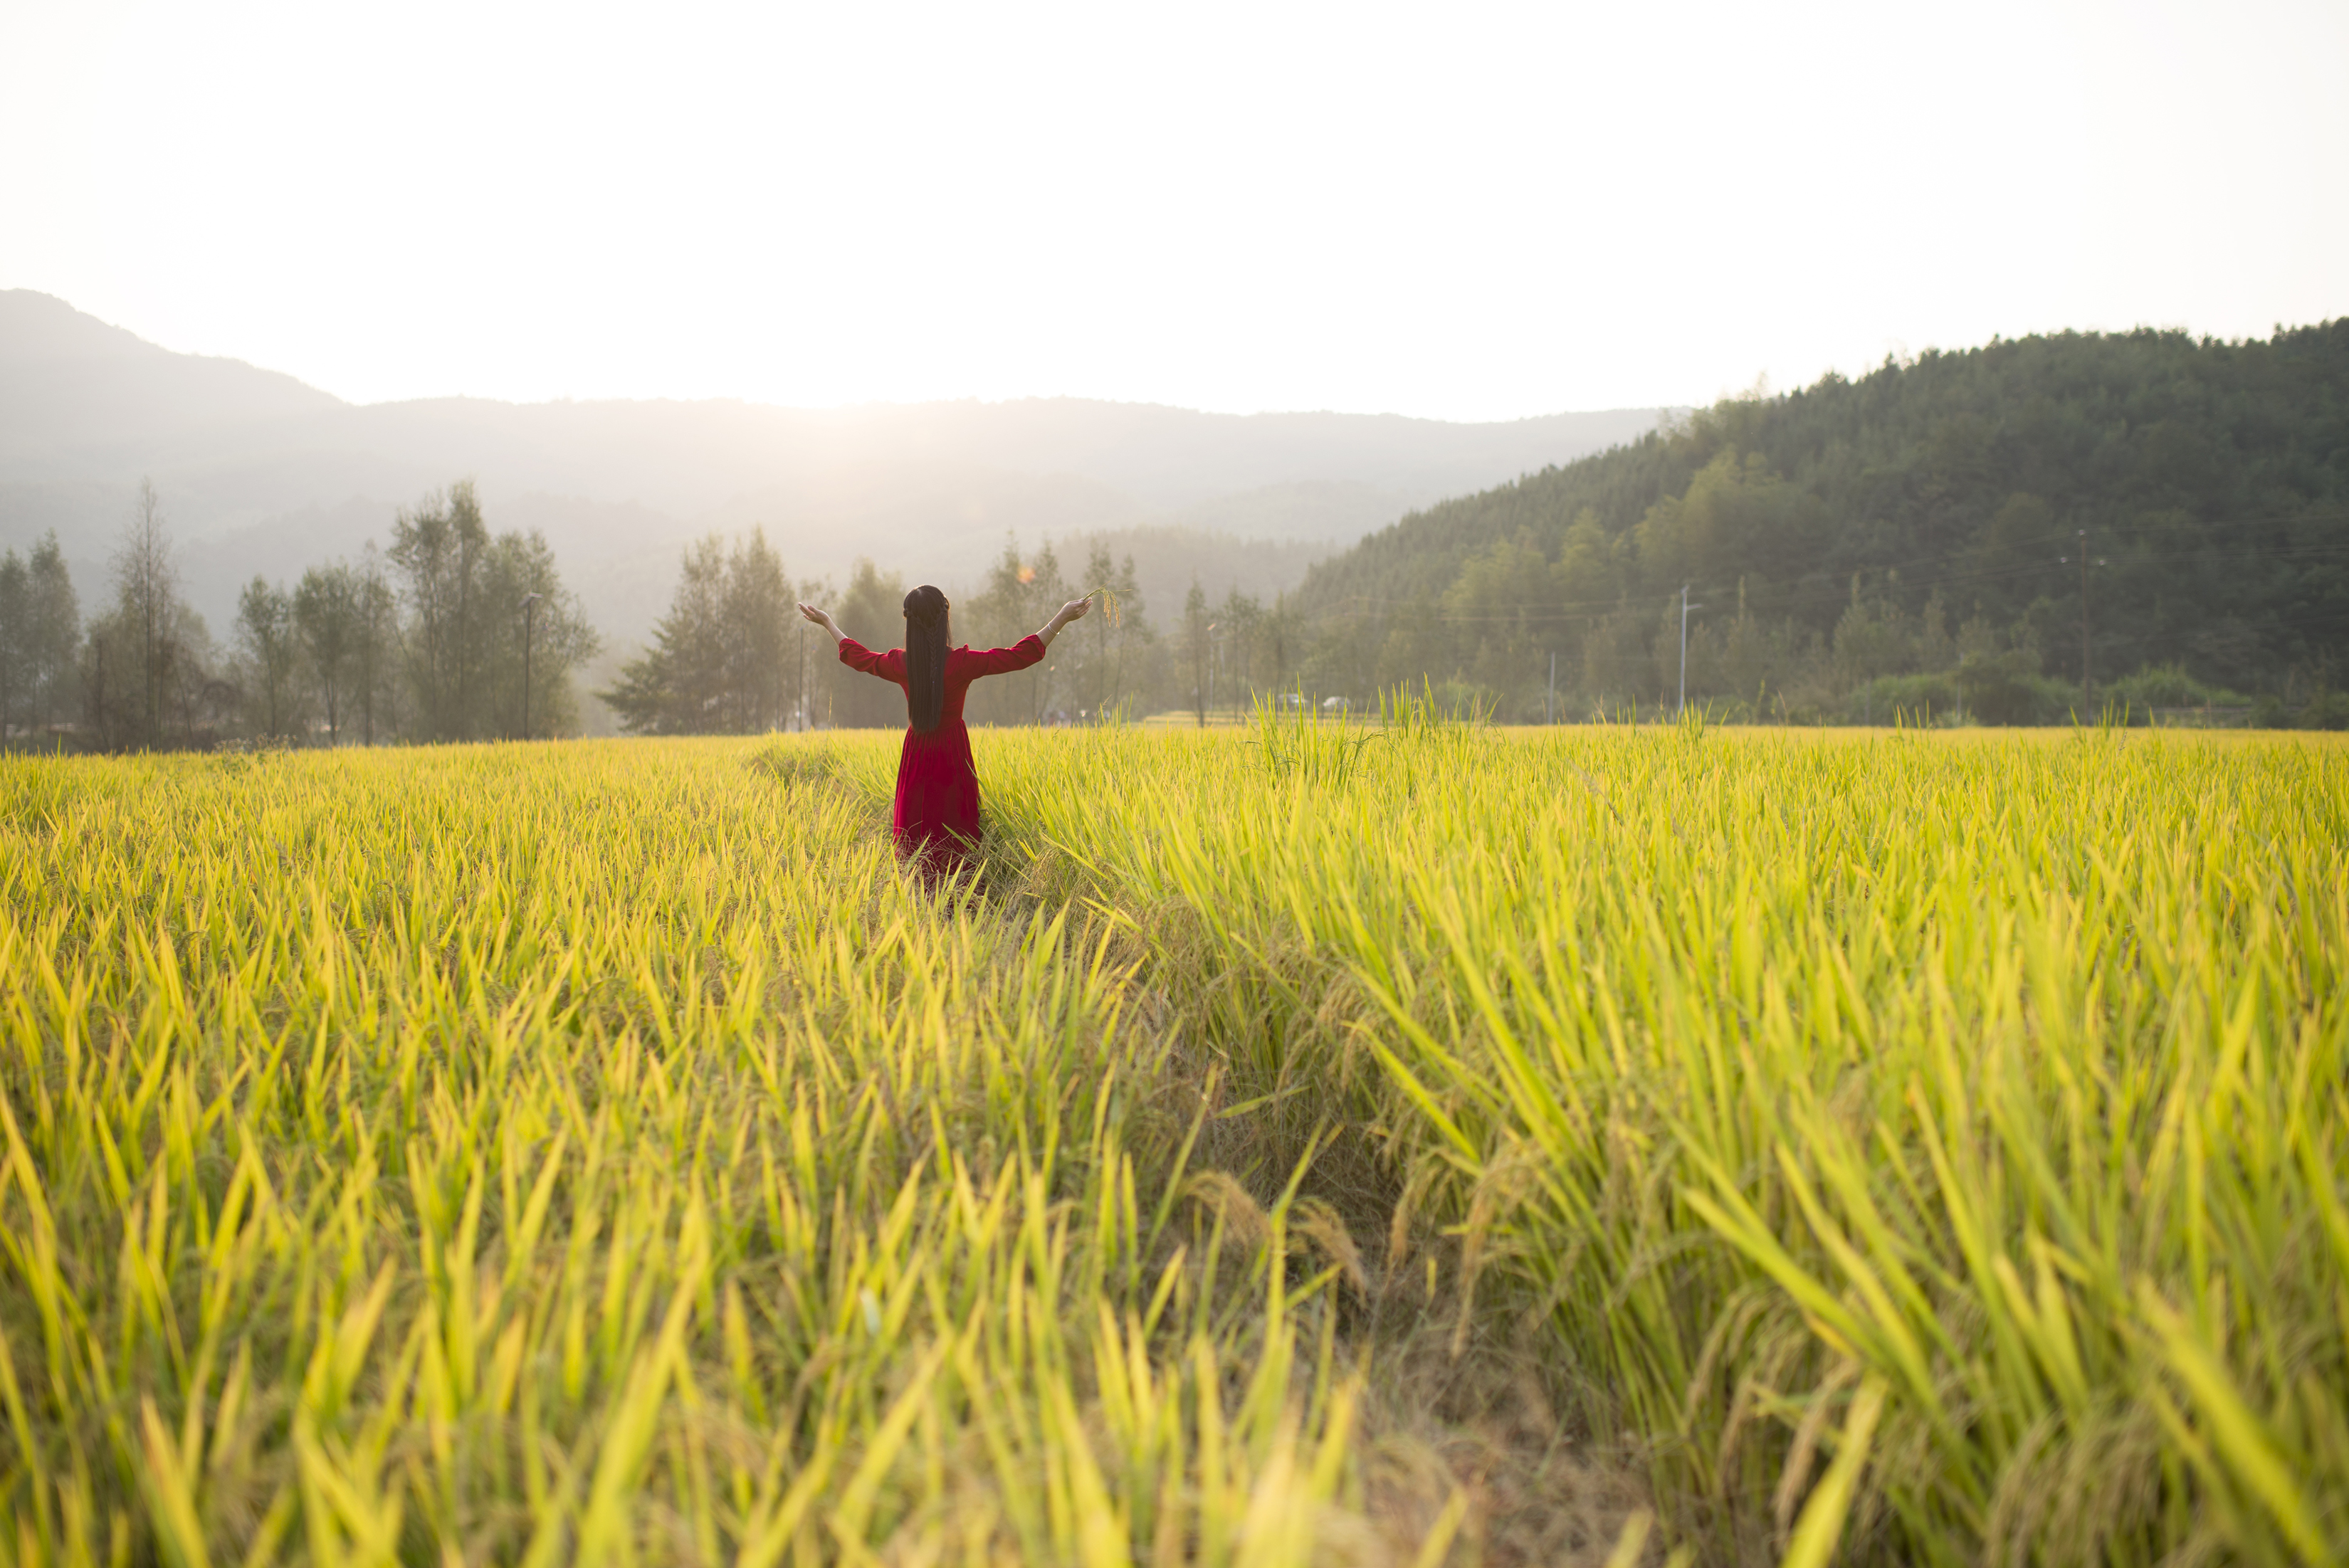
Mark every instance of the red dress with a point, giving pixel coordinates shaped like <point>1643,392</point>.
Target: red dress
<point>936,812</point>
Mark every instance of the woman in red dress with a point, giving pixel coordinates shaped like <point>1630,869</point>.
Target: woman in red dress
<point>937,812</point>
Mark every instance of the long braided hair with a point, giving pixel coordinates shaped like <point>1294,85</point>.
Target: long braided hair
<point>926,657</point>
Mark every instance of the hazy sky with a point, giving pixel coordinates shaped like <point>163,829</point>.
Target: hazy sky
<point>1461,211</point>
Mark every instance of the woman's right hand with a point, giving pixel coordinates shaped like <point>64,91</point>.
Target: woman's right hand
<point>820,618</point>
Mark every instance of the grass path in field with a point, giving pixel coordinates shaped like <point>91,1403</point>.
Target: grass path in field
<point>1936,1146</point>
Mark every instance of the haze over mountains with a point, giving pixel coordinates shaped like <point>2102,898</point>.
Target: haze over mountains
<point>261,473</point>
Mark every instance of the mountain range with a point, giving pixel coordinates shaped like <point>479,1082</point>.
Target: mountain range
<point>261,473</point>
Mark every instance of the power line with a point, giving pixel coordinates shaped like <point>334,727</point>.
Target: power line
<point>1779,596</point>
<point>2318,514</point>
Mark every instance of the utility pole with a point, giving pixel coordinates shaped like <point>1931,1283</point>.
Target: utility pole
<point>1549,703</point>
<point>2064,560</point>
<point>529,612</point>
<point>1209,707</point>
<point>2084,618</point>
<point>1685,608</point>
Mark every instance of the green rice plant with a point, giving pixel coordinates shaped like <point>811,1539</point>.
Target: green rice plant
<point>601,1154</point>
<point>1910,1146</point>
<point>1421,713</point>
<point>1995,1082</point>
<point>1300,744</point>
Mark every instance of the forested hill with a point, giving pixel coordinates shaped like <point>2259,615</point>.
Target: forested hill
<point>1922,524</point>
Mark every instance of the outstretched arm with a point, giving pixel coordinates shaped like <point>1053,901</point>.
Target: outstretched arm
<point>1073,610</point>
<point>889,667</point>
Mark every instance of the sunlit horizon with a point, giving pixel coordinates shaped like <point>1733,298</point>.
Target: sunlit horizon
<point>1497,212</point>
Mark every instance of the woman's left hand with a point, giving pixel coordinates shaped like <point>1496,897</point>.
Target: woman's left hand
<point>1068,612</point>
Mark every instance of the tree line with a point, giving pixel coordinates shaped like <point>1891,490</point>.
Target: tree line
<point>452,634</point>
<point>2022,530</point>
<point>731,655</point>
<point>40,637</point>
<point>2018,534</point>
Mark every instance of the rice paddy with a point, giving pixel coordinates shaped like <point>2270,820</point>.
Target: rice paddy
<point>1311,1145</point>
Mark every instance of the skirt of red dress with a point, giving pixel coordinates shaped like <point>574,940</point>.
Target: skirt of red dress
<point>935,815</point>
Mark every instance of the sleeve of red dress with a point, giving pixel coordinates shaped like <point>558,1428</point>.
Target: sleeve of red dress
<point>889,667</point>
<point>1003,661</point>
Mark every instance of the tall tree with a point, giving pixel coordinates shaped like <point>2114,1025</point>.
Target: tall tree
<point>1239,624</point>
<point>146,598</point>
<point>122,709</point>
<point>106,716</point>
<point>1094,682</point>
<point>15,645</point>
<point>676,686</point>
<point>375,646</point>
<point>1197,627</point>
<point>1109,674</point>
<point>811,656</point>
<point>759,613</point>
<point>872,611</point>
<point>326,623</point>
<point>439,548</point>
<point>1045,590</point>
<point>724,659</point>
<point>1020,595</point>
<point>491,636</point>
<point>266,634</point>
<point>533,635</point>
<point>52,632</point>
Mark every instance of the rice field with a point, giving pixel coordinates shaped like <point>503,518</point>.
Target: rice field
<point>1409,1145</point>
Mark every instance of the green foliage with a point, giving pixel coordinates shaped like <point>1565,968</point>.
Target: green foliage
<point>40,629</point>
<point>1912,702</point>
<point>329,621</point>
<point>2324,709</point>
<point>727,658</point>
<point>1298,744</point>
<point>14,607</point>
<point>2166,686</point>
<point>465,593</point>
<point>1430,710</point>
<point>346,628</point>
<point>2203,480</point>
<point>443,652</point>
<point>1900,1150</point>
<point>1022,592</point>
<point>1109,656</point>
<point>1198,651</point>
<point>602,1156</point>
<point>266,637</point>
<point>872,611</point>
<point>144,681</point>
<point>1929,1150</point>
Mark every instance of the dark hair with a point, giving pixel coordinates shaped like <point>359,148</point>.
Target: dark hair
<point>926,657</point>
